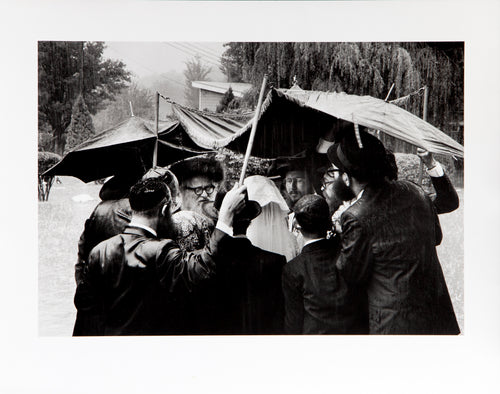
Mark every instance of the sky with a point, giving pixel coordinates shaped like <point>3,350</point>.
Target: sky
<point>148,58</point>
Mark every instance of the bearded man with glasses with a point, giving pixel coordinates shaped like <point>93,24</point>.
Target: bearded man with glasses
<point>200,179</point>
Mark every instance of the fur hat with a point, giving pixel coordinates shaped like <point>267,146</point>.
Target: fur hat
<point>198,166</point>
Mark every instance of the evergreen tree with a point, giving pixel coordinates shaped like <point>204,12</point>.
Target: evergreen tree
<point>225,101</point>
<point>81,127</point>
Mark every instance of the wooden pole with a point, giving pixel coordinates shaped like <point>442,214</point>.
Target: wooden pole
<point>253,131</point>
<point>424,116</point>
<point>157,115</point>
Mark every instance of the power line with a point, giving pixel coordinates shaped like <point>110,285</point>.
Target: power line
<point>190,52</point>
<point>205,49</point>
<point>216,58</point>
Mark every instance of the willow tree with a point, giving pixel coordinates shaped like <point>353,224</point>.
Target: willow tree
<point>361,68</point>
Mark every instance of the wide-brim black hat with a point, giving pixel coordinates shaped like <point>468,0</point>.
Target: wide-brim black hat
<point>348,156</point>
<point>251,210</point>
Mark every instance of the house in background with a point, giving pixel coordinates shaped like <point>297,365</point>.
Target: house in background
<point>210,93</point>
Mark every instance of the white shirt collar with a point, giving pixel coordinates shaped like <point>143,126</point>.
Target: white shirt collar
<point>312,240</point>
<point>144,227</point>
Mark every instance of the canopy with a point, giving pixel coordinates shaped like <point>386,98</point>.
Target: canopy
<point>125,147</point>
<point>292,122</point>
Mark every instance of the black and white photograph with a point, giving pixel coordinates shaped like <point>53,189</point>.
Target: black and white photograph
<point>332,226</point>
<point>241,196</point>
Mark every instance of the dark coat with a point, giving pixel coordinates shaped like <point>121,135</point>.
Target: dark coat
<point>247,290</point>
<point>317,298</point>
<point>108,219</point>
<point>389,243</point>
<point>446,198</point>
<point>135,284</point>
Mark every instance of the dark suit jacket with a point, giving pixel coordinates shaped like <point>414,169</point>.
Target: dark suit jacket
<point>317,298</point>
<point>389,243</point>
<point>247,290</point>
<point>136,284</point>
<point>446,198</point>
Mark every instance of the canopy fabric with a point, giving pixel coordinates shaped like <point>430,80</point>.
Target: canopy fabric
<point>207,129</point>
<point>380,115</point>
<point>127,146</point>
<point>293,121</point>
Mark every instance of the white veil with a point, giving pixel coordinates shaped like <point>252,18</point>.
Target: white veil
<point>269,230</point>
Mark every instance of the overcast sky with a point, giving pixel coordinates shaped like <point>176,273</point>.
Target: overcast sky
<point>146,58</point>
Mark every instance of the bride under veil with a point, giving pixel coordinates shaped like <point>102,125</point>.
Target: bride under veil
<point>269,230</point>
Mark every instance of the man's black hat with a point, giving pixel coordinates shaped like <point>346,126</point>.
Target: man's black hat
<point>251,210</point>
<point>350,157</point>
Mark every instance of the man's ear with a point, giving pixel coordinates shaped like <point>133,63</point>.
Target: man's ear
<point>346,179</point>
<point>165,209</point>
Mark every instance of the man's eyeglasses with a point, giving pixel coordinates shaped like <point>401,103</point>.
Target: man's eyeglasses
<point>331,172</point>
<point>200,189</point>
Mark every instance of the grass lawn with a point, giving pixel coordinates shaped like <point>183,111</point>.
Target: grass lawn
<point>61,220</point>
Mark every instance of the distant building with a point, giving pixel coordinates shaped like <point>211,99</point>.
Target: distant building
<point>210,93</point>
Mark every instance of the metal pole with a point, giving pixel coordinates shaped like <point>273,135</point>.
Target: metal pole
<point>253,131</point>
<point>157,115</point>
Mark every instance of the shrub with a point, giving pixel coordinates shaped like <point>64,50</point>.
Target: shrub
<point>45,161</point>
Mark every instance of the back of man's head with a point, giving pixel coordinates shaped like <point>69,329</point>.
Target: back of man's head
<point>147,195</point>
<point>312,215</point>
<point>200,166</point>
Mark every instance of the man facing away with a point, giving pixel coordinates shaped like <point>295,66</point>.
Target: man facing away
<point>248,297</point>
<point>317,298</point>
<point>389,238</point>
<point>135,283</point>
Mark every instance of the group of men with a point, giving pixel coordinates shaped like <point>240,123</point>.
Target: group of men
<point>170,256</point>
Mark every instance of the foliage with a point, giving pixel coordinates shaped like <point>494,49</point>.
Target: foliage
<point>45,161</point>
<point>44,137</point>
<point>118,110</point>
<point>195,71</point>
<point>233,164</point>
<point>227,101</point>
<point>81,127</point>
<point>361,68</point>
<point>60,80</point>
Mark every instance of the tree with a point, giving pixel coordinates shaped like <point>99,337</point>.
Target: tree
<point>195,71</point>
<point>362,68</point>
<point>118,110</point>
<point>81,127</point>
<point>226,100</point>
<point>59,70</point>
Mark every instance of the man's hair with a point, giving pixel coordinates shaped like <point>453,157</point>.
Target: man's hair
<point>313,215</point>
<point>200,166</point>
<point>148,194</point>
